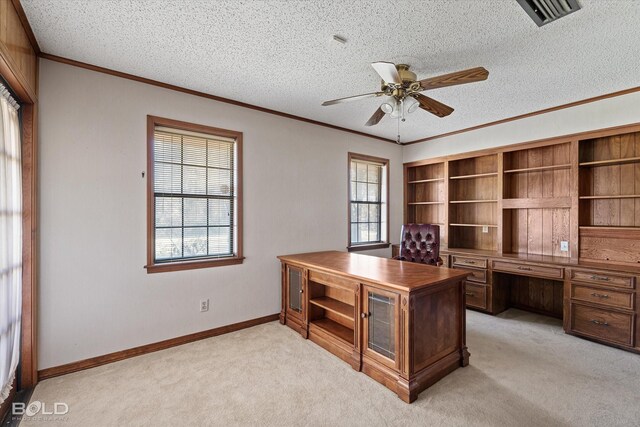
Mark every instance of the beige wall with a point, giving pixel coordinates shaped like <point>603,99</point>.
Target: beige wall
<point>621,110</point>
<point>95,297</point>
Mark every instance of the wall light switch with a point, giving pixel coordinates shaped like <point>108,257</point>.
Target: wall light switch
<point>485,229</point>
<point>204,305</point>
<point>564,246</point>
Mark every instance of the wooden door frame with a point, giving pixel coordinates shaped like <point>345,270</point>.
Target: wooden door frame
<point>28,372</point>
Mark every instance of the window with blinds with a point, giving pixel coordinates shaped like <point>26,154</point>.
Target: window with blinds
<point>367,200</point>
<point>194,195</point>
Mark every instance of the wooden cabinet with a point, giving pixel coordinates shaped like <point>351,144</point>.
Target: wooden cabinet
<point>476,295</point>
<point>293,302</point>
<point>381,326</point>
<point>550,226</point>
<point>607,325</point>
<point>603,306</point>
<point>403,324</point>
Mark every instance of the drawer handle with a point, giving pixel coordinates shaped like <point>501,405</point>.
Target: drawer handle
<point>599,322</point>
<point>470,294</point>
<point>594,294</point>
<point>468,261</point>
<point>601,278</point>
<point>365,315</point>
<point>301,291</point>
<point>524,268</point>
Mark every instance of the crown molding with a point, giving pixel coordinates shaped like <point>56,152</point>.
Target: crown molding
<point>524,116</point>
<point>203,95</point>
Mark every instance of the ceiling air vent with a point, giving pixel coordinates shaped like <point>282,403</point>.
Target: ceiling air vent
<point>545,11</point>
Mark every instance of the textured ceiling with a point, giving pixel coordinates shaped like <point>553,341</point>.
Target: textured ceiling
<point>281,55</point>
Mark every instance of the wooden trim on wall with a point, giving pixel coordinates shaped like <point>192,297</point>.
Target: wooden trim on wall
<point>237,258</point>
<point>27,27</point>
<point>386,164</point>
<point>524,116</point>
<point>25,92</point>
<point>29,344</point>
<point>204,95</point>
<point>150,348</point>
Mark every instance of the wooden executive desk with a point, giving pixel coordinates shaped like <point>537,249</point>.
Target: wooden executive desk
<point>401,323</point>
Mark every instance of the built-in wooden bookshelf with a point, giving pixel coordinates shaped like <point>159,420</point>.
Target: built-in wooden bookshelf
<point>473,203</point>
<point>536,204</point>
<point>550,226</point>
<point>574,197</point>
<point>609,194</point>
<point>425,195</point>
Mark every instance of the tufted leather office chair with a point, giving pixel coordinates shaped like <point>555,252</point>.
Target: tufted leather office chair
<point>420,243</point>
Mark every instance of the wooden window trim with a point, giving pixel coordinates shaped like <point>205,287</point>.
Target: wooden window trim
<point>366,246</point>
<point>154,267</point>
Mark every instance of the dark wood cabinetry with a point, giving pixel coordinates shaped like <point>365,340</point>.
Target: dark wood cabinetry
<point>401,324</point>
<point>551,226</point>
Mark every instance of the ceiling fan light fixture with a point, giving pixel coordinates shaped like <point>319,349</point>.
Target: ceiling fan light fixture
<point>411,104</point>
<point>387,108</point>
<point>397,110</point>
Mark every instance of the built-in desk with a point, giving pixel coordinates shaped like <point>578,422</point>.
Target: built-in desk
<point>598,301</point>
<point>403,324</point>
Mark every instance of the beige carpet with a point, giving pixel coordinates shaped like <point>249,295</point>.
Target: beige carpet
<point>524,371</point>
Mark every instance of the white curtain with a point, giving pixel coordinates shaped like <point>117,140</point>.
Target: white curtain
<point>10,241</point>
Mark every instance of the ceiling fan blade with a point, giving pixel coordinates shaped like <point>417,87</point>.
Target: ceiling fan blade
<point>375,118</point>
<point>458,78</point>
<point>433,106</point>
<point>352,98</point>
<point>388,72</point>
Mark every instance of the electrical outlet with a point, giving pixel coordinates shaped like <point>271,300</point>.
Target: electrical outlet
<point>564,246</point>
<point>485,228</point>
<point>204,305</point>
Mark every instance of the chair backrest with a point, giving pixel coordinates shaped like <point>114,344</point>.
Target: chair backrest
<point>420,243</point>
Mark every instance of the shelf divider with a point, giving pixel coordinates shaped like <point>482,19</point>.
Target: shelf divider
<point>477,175</point>
<point>538,168</point>
<point>338,307</point>
<point>611,162</point>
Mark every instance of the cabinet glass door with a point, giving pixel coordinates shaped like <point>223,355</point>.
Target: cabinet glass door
<point>381,325</point>
<point>294,279</point>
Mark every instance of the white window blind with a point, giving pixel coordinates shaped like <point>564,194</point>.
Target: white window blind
<point>194,195</point>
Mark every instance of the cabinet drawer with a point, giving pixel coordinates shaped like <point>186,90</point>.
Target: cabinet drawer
<point>476,295</point>
<point>601,296</point>
<point>465,261</point>
<point>603,324</point>
<point>479,276</point>
<point>331,280</point>
<point>603,278</point>
<point>529,270</point>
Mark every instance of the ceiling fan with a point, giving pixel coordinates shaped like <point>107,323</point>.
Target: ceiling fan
<point>401,84</point>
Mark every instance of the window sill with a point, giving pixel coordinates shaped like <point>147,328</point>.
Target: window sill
<point>192,265</point>
<point>367,247</point>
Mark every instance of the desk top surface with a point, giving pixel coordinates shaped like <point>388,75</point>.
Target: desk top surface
<point>391,273</point>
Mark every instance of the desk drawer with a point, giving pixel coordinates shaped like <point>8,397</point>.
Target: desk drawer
<point>466,261</point>
<point>602,296</point>
<point>556,273</point>
<point>603,324</point>
<point>475,295</point>
<point>332,280</point>
<point>479,276</point>
<point>603,278</point>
